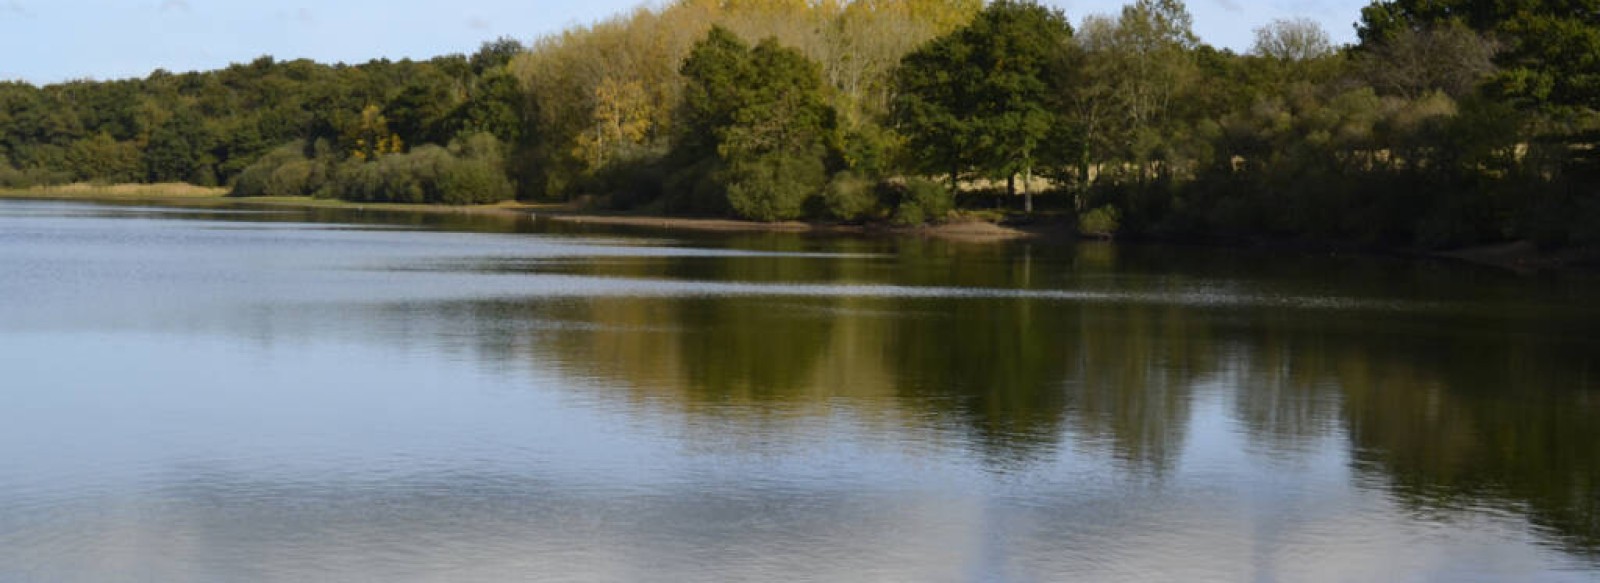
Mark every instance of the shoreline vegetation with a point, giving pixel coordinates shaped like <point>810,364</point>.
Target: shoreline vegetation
<point>1518,256</point>
<point>1466,128</point>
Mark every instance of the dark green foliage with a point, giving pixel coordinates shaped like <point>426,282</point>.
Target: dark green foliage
<point>494,106</point>
<point>773,186</point>
<point>761,115</point>
<point>717,72</point>
<point>980,99</point>
<point>469,172</point>
<point>697,189</point>
<point>179,151</point>
<point>475,173</point>
<point>208,128</point>
<point>1551,48</point>
<point>421,113</point>
<point>495,54</point>
<point>919,201</point>
<point>11,177</point>
<point>282,172</point>
<point>103,158</point>
<point>850,197</point>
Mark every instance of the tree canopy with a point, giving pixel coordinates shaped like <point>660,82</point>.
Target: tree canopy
<point>1451,123</point>
<point>982,98</point>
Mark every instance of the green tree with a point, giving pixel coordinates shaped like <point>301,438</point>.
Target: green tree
<point>419,113</point>
<point>103,158</point>
<point>495,54</point>
<point>178,150</point>
<point>763,116</point>
<point>493,106</point>
<point>1551,48</point>
<point>980,98</point>
<point>1146,58</point>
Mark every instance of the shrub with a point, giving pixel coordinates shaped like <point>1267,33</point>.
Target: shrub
<point>292,179</point>
<point>696,189</point>
<point>31,177</point>
<point>1102,221</point>
<point>908,215</point>
<point>774,186</point>
<point>850,197</point>
<point>933,197</point>
<point>473,182</point>
<point>920,201</point>
<point>262,179</point>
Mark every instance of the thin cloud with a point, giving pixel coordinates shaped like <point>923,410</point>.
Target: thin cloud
<point>175,5</point>
<point>15,7</point>
<point>1230,5</point>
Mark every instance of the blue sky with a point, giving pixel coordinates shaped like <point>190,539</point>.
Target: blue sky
<point>44,41</point>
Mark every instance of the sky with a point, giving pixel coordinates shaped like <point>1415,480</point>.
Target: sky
<point>48,41</point>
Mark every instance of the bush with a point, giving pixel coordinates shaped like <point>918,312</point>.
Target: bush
<point>473,182</point>
<point>284,171</point>
<point>292,179</point>
<point>696,189</point>
<point>849,197</point>
<point>469,172</point>
<point>774,186</point>
<point>1102,221</point>
<point>934,199</point>
<point>920,201</point>
<point>908,215</point>
<point>31,177</point>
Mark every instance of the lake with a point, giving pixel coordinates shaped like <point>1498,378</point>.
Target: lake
<point>250,394</point>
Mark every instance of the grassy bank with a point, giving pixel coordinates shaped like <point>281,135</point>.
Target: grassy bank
<point>89,191</point>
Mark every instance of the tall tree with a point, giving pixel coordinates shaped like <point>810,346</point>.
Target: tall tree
<point>1299,39</point>
<point>178,150</point>
<point>979,98</point>
<point>763,116</point>
<point>1145,58</point>
<point>1551,48</point>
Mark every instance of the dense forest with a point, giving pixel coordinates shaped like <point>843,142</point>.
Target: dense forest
<point>1450,122</point>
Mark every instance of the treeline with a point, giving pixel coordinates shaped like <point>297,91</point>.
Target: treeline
<point>1451,122</point>
<point>294,127</point>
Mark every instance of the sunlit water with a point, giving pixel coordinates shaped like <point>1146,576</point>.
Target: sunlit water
<point>237,395</point>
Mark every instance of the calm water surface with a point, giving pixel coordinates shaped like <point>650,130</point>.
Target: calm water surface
<point>238,395</point>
